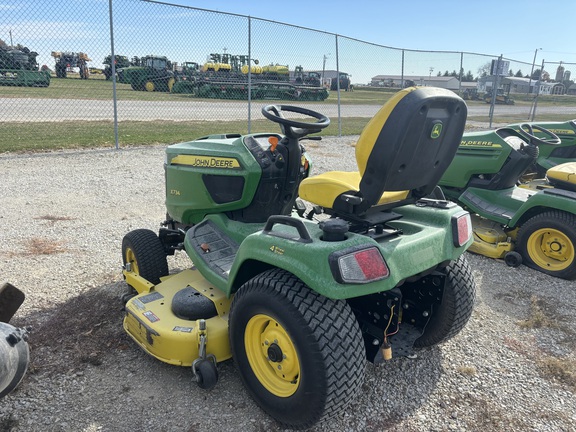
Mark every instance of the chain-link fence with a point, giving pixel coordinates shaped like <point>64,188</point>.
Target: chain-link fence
<point>181,72</point>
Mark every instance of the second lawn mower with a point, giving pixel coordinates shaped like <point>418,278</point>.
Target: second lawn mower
<point>534,225</point>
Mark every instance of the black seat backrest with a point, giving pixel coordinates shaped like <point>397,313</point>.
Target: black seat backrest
<point>409,143</point>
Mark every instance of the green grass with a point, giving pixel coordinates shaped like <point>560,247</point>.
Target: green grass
<point>45,136</point>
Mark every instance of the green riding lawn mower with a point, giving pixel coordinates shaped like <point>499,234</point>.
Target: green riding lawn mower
<point>530,222</point>
<point>553,153</point>
<point>301,279</point>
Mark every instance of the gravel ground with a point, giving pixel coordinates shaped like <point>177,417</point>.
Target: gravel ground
<point>63,216</point>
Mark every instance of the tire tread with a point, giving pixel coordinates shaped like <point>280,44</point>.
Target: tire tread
<point>334,326</point>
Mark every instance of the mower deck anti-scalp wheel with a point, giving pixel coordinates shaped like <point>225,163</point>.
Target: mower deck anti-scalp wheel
<point>547,242</point>
<point>513,259</point>
<point>144,253</point>
<point>206,374</point>
<point>455,308</point>
<point>301,356</point>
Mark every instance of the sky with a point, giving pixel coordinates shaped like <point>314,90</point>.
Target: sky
<point>514,28</point>
<point>527,31</point>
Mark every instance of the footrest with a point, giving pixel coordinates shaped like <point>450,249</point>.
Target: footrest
<point>213,246</point>
<point>487,207</point>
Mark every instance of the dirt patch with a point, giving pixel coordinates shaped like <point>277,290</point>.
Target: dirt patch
<point>77,333</point>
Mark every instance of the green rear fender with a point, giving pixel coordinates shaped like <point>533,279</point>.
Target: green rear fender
<point>307,261</point>
<point>541,202</point>
<point>426,242</point>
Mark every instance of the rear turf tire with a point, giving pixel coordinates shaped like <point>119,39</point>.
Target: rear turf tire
<point>144,251</point>
<point>455,308</point>
<point>547,242</point>
<point>300,355</point>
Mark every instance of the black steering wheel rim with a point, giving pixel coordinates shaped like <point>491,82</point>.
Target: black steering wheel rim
<point>274,113</point>
<point>528,130</point>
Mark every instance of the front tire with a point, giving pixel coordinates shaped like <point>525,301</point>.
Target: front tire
<point>300,355</point>
<point>547,243</point>
<point>455,308</point>
<point>149,86</point>
<point>143,251</point>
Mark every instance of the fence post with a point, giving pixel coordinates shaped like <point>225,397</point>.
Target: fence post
<point>495,83</point>
<point>249,73</point>
<point>537,92</point>
<point>461,71</point>
<point>402,78</point>
<point>338,88</point>
<point>113,67</point>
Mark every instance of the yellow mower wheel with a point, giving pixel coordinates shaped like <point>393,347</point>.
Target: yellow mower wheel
<point>547,242</point>
<point>300,355</point>
<point>144,255</point>
<point>550,248</point>
<point>149,86</point>
<point>130,257</point>
<point>171,82</point>
<point>272,355</point>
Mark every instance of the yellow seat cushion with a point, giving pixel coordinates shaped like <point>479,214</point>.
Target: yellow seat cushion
<point>565,172</point>
<point>323,189</point>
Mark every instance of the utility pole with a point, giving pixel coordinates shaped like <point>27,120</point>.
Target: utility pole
<point>532,71</point>
<point>324,67</point>
<point>11,43</point>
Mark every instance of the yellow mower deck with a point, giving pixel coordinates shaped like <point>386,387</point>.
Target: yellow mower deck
<point>151,323</point>
<point>489,238</point>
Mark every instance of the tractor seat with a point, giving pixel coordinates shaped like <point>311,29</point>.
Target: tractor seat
<point>563,176</point>
<point>401,155</point>
<point>335,184</point>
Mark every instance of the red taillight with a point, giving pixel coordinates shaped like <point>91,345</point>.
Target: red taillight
<point>366,265</point>
<point>461,228</point>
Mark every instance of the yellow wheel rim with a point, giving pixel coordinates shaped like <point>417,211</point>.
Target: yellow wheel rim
<point>171,82</point>
<point>272,355</point>
<point>550,249</point>
<point>149,86</point>
<point>131,258</point>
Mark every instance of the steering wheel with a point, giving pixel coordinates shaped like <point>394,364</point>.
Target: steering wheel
<point>294,128</point>
<point>550,137</point>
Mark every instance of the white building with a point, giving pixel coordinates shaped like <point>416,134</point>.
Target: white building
<point>449,82</point>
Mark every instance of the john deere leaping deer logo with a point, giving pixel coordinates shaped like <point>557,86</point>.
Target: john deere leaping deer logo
<point>436,130</point>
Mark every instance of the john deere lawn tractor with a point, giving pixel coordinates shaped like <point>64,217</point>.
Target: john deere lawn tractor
<point>553,153</point>
<point>301,279</point>
<point>535,223</point>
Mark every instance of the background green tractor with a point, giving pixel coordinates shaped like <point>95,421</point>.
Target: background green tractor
<point>551,154</point>
<point>18,67</point>
<point>531,225</point>
<point>301,279</point>
<point>153,74</point>
<point>502,97</point>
